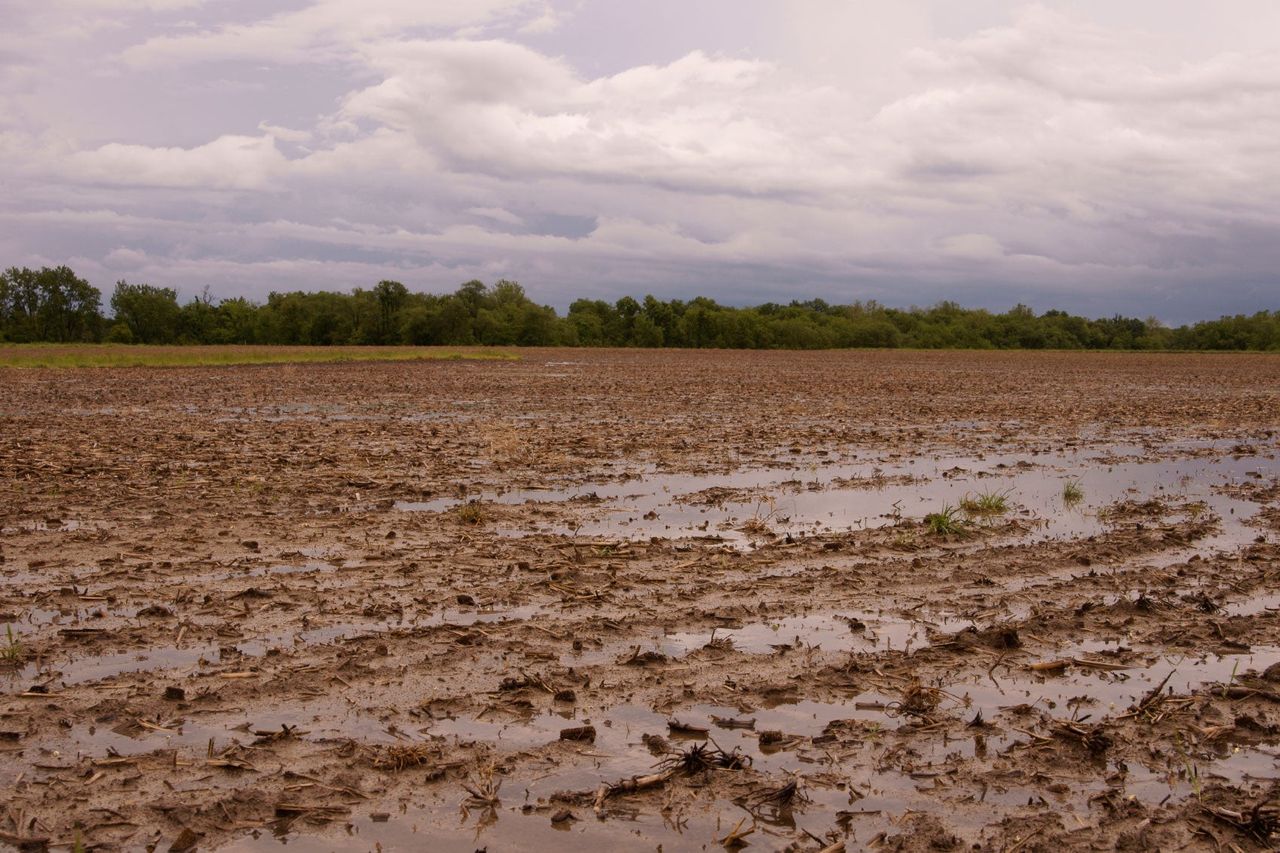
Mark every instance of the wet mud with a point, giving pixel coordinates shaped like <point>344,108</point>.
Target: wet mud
<point>640,601</point>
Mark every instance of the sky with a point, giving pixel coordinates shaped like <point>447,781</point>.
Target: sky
<point>1096,156</point>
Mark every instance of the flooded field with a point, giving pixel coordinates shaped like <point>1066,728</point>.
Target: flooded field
<point>644,601</point>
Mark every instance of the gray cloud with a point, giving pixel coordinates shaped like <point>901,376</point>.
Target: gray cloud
<point>1076,158</point>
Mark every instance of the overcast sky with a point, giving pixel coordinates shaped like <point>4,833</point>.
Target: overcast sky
<point>1096,155</point>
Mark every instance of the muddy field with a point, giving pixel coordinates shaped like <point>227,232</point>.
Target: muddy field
<point>644,601</point>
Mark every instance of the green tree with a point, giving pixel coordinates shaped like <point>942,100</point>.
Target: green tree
<point>647,333</point>
<point>592,320</point>
<point>50,304</point>
<point>238,322</point>
<point>151,313</point>
<point>198,321</point>
<point>391,297</point>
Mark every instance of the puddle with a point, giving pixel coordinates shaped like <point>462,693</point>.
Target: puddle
<point>1242,764</point>
<point>883,792</point>
<point>28,619</point>
<point>842,497</point>
<point>1100,692</point>
<point>619,751</point>
<point>27,581</point>
<point>97,667</point>
<point>315,719</point>
<point>843,631</point>
<point>191,730</point>
<point>440,824</point>
<point>1080,692</point>
<point>51,526</point>
<point>1254,606</point>
<point>305,568</point>
<point>620,748</point>
<point>281,570</point>
<point>864,722</point>
<point>1093,691</point>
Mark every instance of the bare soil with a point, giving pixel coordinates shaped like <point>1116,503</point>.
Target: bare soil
<point>636,600</point>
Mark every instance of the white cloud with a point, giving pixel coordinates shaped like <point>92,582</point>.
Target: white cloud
<point>228,162</point>
<point>702,122</point>
<point>285,134</point>
<point>1043,150</point>
<point>129,5</point>
<point>124,259</point>
<point>548,20</point>
<point>974,247</point>
<point>319,31</point>
<point>497,214</point>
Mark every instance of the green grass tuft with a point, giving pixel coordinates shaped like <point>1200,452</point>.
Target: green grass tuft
<point>11,653</point>
<point>947,521</point>
<point>1072,493</point>
<point>986,503</point>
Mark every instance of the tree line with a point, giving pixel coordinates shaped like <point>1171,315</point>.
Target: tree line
<point>55,305</point>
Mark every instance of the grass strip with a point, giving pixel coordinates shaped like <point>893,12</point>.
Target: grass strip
<point>134,355</point>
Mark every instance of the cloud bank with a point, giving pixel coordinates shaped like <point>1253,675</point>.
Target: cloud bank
<point>1043,153</point>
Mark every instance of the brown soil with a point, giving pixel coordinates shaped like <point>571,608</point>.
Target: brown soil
<point>643,600</point>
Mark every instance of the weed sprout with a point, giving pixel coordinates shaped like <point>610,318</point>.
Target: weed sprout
<point>945,522</point>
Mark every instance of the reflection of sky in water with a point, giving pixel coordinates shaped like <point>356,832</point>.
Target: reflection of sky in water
<point>73,667</point>
<point>883,792</point>
<point>816,498</point>
<point>801,498</point>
